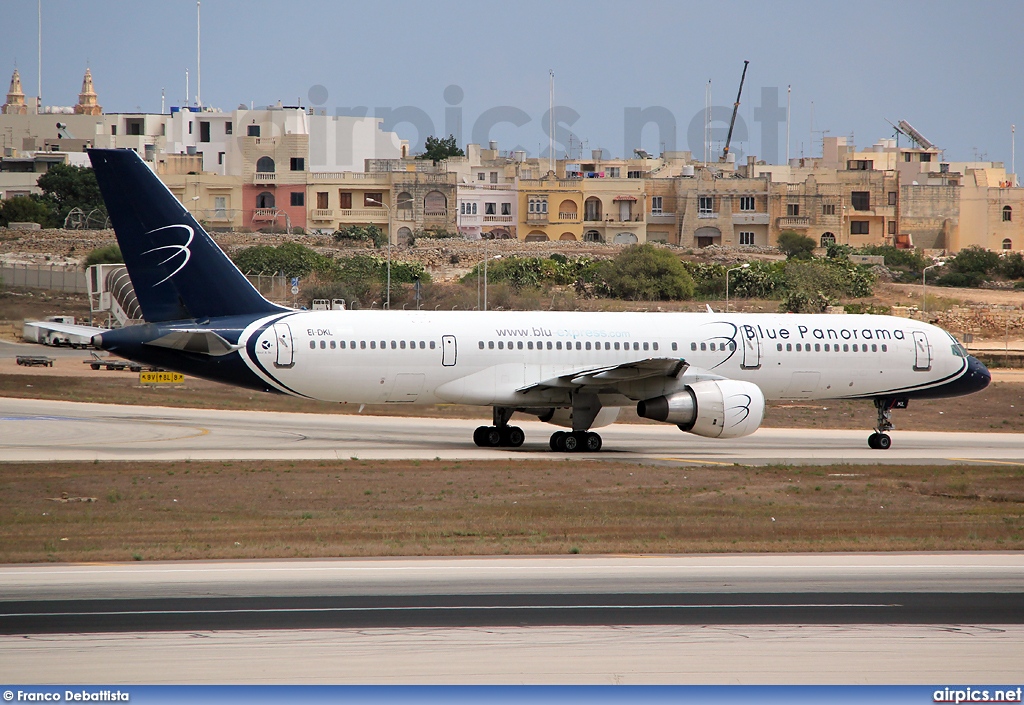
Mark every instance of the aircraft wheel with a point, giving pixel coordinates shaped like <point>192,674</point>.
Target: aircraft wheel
<point>557,442</point>
<point>513,437</point>
<point>873,441</point>
<point>883,442</point>
<point>480,436</point>
<point>571,442</point>
<point>592,443</point>
<point>492,436</point>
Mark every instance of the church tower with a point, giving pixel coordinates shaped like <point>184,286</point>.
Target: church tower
<point>87,104</point>
<point>15,104</point>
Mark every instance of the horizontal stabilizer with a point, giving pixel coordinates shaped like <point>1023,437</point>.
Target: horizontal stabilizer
<point>204,342</point>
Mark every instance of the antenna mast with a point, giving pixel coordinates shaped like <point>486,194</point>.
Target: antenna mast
<point>199,65</point>
<point>551,120</point>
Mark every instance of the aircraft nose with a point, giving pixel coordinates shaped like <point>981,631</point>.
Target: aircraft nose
<point>978,376</point>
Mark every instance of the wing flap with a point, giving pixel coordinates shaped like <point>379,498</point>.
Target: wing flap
<point>606,375</point>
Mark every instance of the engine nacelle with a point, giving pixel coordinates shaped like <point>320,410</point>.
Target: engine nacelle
<point>715,409</point>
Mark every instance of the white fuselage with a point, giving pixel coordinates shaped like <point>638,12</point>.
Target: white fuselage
<point>493,358</point>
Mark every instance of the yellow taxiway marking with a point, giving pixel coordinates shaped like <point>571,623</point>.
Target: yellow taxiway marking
<point>201,432</point>
<point>987,462</point>
<point>695,462</point>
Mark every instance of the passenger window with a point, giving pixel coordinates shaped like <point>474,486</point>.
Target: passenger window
<point>558,345</point>
<point>789,347</point>
<point>675,347</point>
<point>588,345</point>
<point>519,345</point>
<point>798,347</point>
<point>884,348</point>
<point>490,344</point>
<point>645,346</point>
<point>312,345</point>
<point>323,344</point>
<point>373,345</point>
<point>874,347</point>
<point>636,346</point>
<point>655,345</point>
<point>362,345</point>
<point>501,345</point>
<point>855,347</point>
<point>431,344</point>
<point>703,346</point>
<point>341,344</point>
<point>423,346</point>
<point>402,344</point>
<point>333,344</point>
<point>846,348</point>
<point>779,346</point>
<point>616,346</point>
<point>693,346</point>
<point>529,345</point>
<point>817,347</point>
<point>394,345</point>
<point>383,344</point>
<point>481,345</point>
<point>549,345</point>
<point>732,344</point>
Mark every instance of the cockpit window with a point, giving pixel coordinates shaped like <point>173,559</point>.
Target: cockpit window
<point>959,350</point>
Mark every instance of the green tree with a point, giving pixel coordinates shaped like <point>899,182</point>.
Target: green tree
<point>645,273</point>
<point>796,246</point>
<point>439,149</point>
<point>70,187</point>
<point>27,209</point>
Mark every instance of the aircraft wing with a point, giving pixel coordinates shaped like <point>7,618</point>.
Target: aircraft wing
<point>610,375</point>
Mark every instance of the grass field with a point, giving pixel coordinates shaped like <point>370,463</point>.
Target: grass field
<point>195,510</point>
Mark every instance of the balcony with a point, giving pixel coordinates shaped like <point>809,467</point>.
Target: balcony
<point>536,217</point>
<point>266,213</point>
<point>265,141</point>
<point>661,217</point>
<point>362,215</point>
<point>323,214</point>
<point>264,177</point>
<point>569,217</point>
<point>436,212</point>
<point>351,176</point>
<point>794,221</point>
<point>707,215</point>
<point>503,219</point>
<point>750,219</point>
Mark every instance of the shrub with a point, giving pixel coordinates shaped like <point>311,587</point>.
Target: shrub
<point>796,246</point>
<point>961,279</point>
<point>1011,265</point>
<point>27,209</point>
<point>974,259</point>
<point>645,273</point>
<point>290,259</point>
<point>110,254</point>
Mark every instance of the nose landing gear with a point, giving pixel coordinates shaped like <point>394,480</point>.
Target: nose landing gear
<point>880,440</point>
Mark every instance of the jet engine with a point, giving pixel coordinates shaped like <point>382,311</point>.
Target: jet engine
<point>715,409</point>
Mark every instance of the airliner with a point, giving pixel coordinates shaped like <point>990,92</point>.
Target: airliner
<point>708,374</point>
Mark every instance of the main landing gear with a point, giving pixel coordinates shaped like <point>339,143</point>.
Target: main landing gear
<point>500,435</point>
<point>575,442</point>
<point>880,440</point>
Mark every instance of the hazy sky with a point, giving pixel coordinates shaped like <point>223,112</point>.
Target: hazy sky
<point>952,69</point>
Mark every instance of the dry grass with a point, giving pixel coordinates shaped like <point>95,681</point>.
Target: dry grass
<point>159,511</point>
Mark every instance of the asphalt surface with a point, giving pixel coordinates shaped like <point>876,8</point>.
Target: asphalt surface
<point>39,430</point>
<point>816,618</point>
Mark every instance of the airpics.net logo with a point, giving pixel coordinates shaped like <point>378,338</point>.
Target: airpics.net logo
<point>978,695</point>
<point>707,125</point>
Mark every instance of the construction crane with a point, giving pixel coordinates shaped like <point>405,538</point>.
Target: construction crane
<point>735,109</point>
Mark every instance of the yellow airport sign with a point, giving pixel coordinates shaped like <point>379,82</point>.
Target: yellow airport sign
<point>161,378</point>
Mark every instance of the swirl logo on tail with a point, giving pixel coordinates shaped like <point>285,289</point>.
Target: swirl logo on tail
<point>176,250</point>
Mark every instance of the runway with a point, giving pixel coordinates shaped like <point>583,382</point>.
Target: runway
<point>835,618</point>
<point>39,430</point>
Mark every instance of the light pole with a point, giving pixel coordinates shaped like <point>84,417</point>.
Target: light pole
<point>745,265</point>
<point>924,285</point>
<point>371,201</point>
<point>486,259</point>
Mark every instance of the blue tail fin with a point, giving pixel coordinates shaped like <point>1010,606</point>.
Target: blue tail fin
<point>177,270</point>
